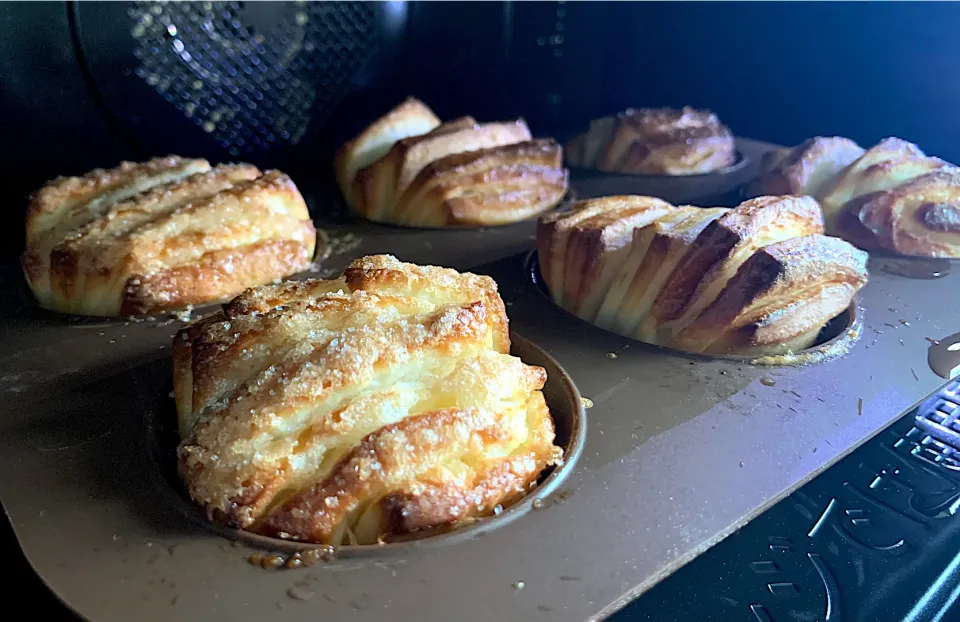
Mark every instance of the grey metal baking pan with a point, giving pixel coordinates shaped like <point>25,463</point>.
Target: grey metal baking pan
<point>873,538</point>
<point>680,452</point>
<point>721,188</point>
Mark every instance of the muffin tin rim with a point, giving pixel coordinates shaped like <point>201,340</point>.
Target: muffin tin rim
<point>556,475</point>
<point>835,346</point>
<point>741,162</point>
<point>353,218</point>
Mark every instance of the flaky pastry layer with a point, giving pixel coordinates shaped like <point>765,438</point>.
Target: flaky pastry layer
<point>874,198</point>
<point>163,235</point>
<point>458,173</point>
<point>655,141</point>
<point>381,403</point>
<point>757,279</point>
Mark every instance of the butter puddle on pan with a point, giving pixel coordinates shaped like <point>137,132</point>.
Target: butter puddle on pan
<point>834,340</point>
<point>561,396</point>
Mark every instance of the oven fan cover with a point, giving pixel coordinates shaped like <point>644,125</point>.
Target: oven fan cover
<point>250,77</point>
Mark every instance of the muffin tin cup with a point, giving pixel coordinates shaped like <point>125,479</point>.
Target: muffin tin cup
<point>565,203</point>
<point>720,188</point>
<point>835,338</point>
<point>561,396</point>
<point>913,267</point>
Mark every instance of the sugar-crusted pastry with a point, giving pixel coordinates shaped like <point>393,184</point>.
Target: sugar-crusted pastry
<point>757,279</point>
<point>655,141</point>
<point>717,254</point>
<point>162,235</point>
<point>779,297</point>
<point>887,177</point>
<point>458,173</point>
<point>378,404</point>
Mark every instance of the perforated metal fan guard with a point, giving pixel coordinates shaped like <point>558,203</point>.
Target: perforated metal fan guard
<point>252,74</point>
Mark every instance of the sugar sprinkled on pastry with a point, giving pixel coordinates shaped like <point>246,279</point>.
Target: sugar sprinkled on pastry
<point>378,404</point>
<point>757,279</point>
<point>163,235</point>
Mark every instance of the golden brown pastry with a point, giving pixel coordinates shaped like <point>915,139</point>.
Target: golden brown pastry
<point>378,404</point>
<point>845,179</point>
<point>757,279</point>
<point>411,118</point>
<point>162,235</point>
<point>809,168</point>
<point>654,252</point>
<point>779,298</point>
<point>655,141</point>
<point>717,254</point>
<point>459,173</point>
<point>920,217</point>
<point>593,244</point>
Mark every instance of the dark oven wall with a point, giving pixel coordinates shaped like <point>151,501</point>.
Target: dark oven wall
<point>74,95</point>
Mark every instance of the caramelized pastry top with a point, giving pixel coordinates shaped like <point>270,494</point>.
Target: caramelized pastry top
<point>779,295</point>
<point>457,173</point>
<point>874,198</point>
<point>757,279</point>
<point>656,141</point>
<point>380,403</point>
<point>162,235</point>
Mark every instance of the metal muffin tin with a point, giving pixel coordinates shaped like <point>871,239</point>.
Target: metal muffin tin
<point>562,399</point>
<point>721,188</point>
<point>835,338</point>
<point>681,451</point>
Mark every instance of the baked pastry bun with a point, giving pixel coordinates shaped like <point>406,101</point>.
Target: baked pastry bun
<point>349,411</point>
<point>409,168</point>
<point>758,279</point>
<point>162,235</point>
<point>876,198</point>
<point>655,141</point>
